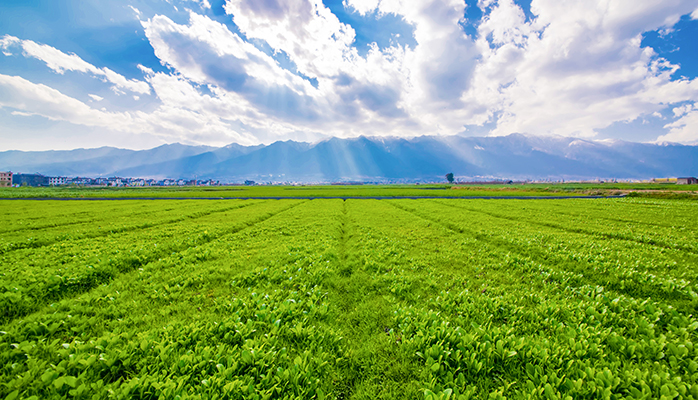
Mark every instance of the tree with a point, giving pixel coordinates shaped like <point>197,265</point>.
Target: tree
<point>449,177</point>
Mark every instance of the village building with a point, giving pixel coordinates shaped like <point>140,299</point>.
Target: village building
<point>57,180</point>
<point>116,181</point>
<point>687,181</point>
<point>5,179</point>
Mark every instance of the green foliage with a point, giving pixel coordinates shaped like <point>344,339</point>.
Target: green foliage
<point>360,299</point>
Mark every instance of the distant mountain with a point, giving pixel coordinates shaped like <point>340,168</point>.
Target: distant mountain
<point>198,164</point>
<point>93,162</point>
<point>374,159</point>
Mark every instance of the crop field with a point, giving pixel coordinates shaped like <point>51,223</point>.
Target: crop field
<point>349,299</point>
<point>514,190</point>
<point>319,191</point>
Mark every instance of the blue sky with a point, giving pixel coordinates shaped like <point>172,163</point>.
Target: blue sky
<point>137,74</point>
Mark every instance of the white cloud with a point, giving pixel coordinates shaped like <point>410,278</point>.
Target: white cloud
<point>395,91</point>
<point>682,110</point>
<point>61,62</point>
<point>685,129</point>
<point>202,3</point>
<point>575,68</point>
<point>135,10</point>
<point>168,121</point>
<point>21,114</point>
<point>207,53</point>
<point>95,97</point>
<point>572,69</point>
<point>267,97</point>
<point>306,30</point>
<point>117,91</point>
<point>6,42</point>
<point>36,99</point>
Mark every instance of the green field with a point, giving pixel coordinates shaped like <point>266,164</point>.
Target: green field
<point>356,299</point>
<point>279,191</point>
<point>429,190</point>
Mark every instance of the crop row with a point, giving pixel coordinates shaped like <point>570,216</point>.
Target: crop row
<point>188,323</point>
<point>633,268</point>
<point>89,222</point>
<point>554,336</point>
<point>34,277</point>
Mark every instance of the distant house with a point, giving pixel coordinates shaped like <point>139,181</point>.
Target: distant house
<point>57,180</point>
<point>687,181</point>
<point>81,181</point>
<point>5,179</point>
<point>249,183</point>
<point>115,181</point>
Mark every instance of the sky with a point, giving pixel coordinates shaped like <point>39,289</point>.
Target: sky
<point>140,73</point>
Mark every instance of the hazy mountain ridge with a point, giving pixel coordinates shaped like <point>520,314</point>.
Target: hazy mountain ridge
<point>364,158</point>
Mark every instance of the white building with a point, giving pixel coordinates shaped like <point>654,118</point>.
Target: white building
<point>57,180</point>
<point>689,180</point>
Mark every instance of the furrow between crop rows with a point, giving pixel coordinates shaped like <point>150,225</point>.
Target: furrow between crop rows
<point>573,246</point>
<point>471,344</point>
<point>361,305</point>
<point>239,329</point>
<point>18,303</point>
<point>46,218</point>
<point>606,235</point>
<point>35,244</point>
<point>613,276</point>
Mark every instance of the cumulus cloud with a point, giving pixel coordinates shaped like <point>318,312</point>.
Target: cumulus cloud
<point>682,110</point>
<point>546,76</point>
<point>167,121</point>
<point>60,62</point>
<point>306,30</point>
<point>395,90</point>
<point>440,65</point>
<point>36,99</point>
<point>685,129</point>
<point>575,68</point>
<point>358,96</point>
<point>6,42</point>
<point>207,53</point>
<point>570,68</point>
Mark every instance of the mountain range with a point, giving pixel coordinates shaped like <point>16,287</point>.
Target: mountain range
<point>424,158</point>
